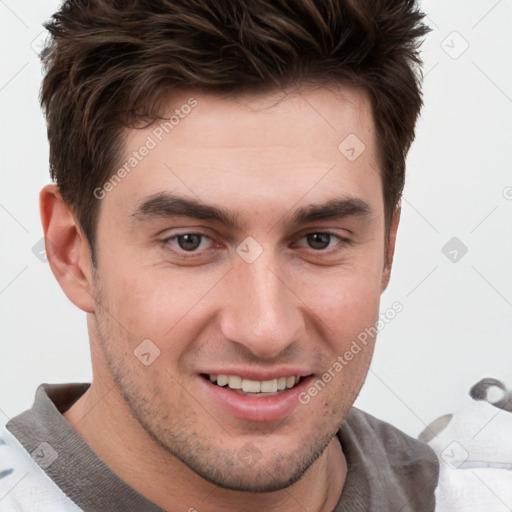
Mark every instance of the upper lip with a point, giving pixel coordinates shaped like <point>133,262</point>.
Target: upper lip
<point>259,374</point>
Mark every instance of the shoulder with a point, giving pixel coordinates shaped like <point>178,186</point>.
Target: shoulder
<point>391,469</point>
<point>383,439</point>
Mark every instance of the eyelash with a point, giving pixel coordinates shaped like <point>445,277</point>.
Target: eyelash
<point>342,242</point>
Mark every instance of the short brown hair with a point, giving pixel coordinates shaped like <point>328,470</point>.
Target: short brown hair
<point>110,63</point>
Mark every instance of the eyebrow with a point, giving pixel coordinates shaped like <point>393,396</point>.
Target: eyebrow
<point>165,205</point>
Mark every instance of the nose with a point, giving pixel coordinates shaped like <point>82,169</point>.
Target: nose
<point>261,311</point>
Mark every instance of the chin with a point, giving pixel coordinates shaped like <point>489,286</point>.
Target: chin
<point>246,468</point>
<point>265,476</point>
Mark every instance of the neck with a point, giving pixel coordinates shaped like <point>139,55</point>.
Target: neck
<point>103,419</point>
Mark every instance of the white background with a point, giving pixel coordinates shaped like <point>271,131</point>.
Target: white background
<point>456,326</point>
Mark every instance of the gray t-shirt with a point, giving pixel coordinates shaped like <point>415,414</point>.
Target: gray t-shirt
<point>387,470</point>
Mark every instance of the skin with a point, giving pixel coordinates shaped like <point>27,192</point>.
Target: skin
<point>261,158</point>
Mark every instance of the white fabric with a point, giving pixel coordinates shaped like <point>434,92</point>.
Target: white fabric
<point>27,488</point>
<point>475,455</point>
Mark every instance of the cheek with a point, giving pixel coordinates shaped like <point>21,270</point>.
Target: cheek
<point>156,303</point>
<point>345,301</point>
<point>347,317</point>
<point>349,327</point>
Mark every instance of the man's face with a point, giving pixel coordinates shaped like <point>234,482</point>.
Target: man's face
<point>277,287</point>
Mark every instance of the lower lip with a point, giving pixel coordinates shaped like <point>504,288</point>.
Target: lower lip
<point>264,408</point>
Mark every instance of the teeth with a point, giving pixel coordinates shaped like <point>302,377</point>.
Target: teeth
<point>290,382</point>
<point>251,386</point>
<point>235,382</point>
<point>255,386</point>
<point>281,383</point>
<point>222,380</point>
<point>269,386</point>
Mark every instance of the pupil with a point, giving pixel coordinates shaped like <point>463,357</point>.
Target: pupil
<point>189,242</point>
<point>319,240</point>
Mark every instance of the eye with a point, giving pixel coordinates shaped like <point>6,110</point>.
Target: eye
<point>189,242</point>
<point>320,241</point>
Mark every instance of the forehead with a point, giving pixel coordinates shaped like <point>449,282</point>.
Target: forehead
<point>274,149</point>
<point>286,118</point>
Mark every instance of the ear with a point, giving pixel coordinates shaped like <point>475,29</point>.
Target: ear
<point>67,249</point>
<point>386,274</point>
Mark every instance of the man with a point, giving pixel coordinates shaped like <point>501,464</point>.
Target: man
<point>225,209</point>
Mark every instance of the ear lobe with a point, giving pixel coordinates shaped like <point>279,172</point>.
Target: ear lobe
<point>386,274</point>
<point>67,249</point>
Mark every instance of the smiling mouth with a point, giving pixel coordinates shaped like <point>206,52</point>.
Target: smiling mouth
<point>254,388</point>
